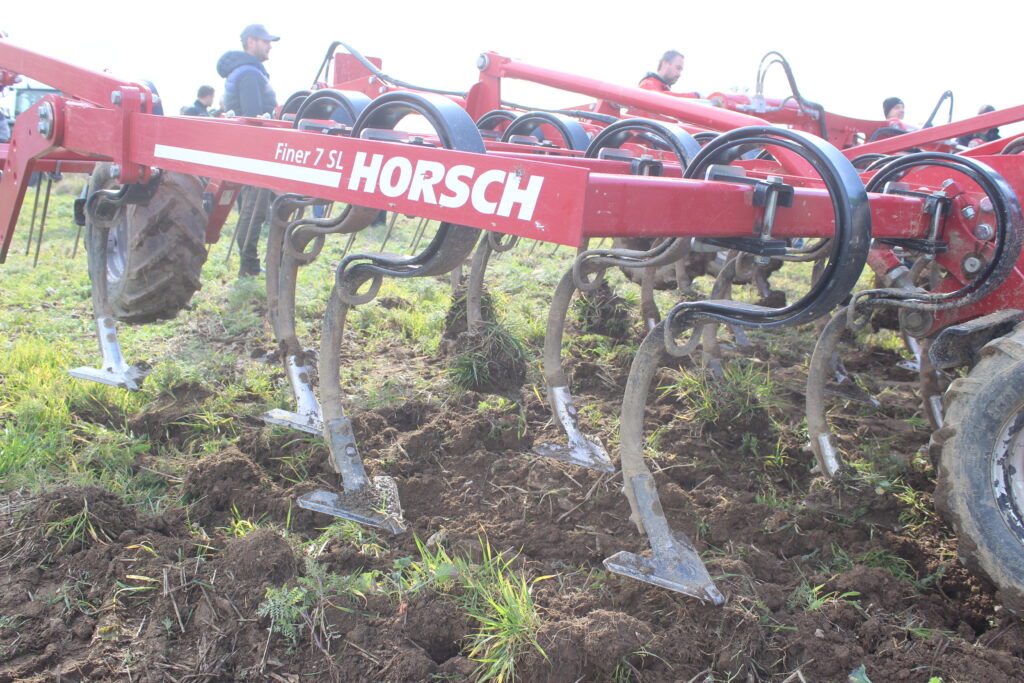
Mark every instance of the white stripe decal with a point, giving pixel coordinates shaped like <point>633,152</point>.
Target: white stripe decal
<point>271,169</point>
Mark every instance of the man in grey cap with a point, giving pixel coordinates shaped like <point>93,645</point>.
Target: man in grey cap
<point>247,92</point>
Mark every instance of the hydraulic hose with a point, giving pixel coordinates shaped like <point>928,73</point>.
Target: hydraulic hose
<point>804,103</point>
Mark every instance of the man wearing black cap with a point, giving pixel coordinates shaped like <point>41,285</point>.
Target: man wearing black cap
<point>247,92</point>
<point>894,109</point>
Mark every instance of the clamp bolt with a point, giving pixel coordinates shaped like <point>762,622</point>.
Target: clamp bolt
<point>984,232</point>
<point>968,212</point>
<point>45,120</point>
<point>972,264</point>
<point>985,204</point>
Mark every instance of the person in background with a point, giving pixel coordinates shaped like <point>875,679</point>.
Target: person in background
<point>247,92</point>
<point>670,66</point>
<point>894,110</point>
<point>979,137</point>
<point>201,107</point>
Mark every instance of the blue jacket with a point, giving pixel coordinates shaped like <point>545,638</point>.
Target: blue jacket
<point>247,90</point>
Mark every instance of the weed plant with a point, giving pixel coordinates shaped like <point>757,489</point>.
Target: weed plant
<point>493,359</point>
<point>80,529</point>
<point>497,599</point>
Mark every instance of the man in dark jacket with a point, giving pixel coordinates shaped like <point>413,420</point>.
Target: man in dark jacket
<point>247,92</point>
<point>981,136</point>
<point>201,107</point>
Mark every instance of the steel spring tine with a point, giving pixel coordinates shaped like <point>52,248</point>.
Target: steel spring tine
<point>298,252</point>
<point>648,307</point>
<point>721,289</point>
<point>815,252</point>
<point>42,218</point>
<point>818,372</point>
<point>387,235</point>
<point>348,244</point>
<point>420,229</point>
<point>662,253</point>
<point>591,260</point>
<point>32,224</point>
<point>580,449</point>
<point>301,232</point>
<point>499,243</point>
<point>475,285</point>
<point>282,212</point>
<point>533,247</point>
<point>672,552</point>
<point>78,237</point>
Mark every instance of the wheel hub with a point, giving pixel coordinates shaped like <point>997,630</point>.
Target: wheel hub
<point>1008,473</point>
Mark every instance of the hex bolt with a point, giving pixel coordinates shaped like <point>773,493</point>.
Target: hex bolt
<point>972,264</point>
<point>968,212</point>
<point>45,120</point>
<point>115,97</point>
<point>985,204</point>
<point>482,62</point>
<point>984,232</point>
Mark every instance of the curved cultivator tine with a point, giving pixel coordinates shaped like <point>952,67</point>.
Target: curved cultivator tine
<point>581,449</point>
<point>288,248</point>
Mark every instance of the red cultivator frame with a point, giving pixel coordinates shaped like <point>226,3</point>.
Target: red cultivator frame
<point>773,193</point>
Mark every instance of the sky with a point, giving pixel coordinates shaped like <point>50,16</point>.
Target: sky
<point>845,56</point>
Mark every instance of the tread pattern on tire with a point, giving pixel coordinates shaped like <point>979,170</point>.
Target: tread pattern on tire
<point>164,254</point>
<point>976,407</point>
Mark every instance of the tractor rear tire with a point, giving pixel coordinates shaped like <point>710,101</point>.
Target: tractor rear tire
<point>153,258</point>
<point>980,489</point>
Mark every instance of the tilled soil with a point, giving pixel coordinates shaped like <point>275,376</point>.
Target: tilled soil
<point>175,596</point>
